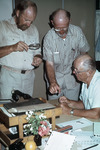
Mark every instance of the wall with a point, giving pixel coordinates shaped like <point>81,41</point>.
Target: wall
<point>5,9</point>
<point>83,15</point>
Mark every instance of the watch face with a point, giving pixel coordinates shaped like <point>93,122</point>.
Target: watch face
<point>71,112</point>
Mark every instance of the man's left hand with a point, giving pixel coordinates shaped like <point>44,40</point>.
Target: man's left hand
<point>36,61</point>
<point>65,108</point>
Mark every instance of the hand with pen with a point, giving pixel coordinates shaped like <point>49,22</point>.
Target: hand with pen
<point>54,88</point>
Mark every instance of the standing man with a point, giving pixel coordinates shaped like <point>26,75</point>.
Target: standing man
<point>16,59</point>
<point>62,44</point>
<point>88,106</point>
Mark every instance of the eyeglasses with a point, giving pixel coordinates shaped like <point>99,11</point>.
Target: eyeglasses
<point>76,70</point>
<point>61,29</point>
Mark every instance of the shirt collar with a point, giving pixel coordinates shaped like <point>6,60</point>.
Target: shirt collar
<point>12,20</point>
<point>94,77</point>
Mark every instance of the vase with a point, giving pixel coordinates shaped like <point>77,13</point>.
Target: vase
<point>37,139</point>
<point>30,145</point>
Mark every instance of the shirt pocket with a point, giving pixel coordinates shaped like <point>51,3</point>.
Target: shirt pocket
<point>56,56</point>
<point>11,39</point>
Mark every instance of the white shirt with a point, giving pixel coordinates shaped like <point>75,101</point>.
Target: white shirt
<point>91,95</point>
<point>10,34</point>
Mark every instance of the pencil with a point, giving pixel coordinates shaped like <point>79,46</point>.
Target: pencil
<point>90,147</point>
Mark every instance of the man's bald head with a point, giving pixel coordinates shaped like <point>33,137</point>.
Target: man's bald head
<point>86,62</point>
<point>60,14</point>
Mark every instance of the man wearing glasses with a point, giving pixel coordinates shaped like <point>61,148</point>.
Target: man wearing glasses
<point>62,44</point>
<point>88,106</point>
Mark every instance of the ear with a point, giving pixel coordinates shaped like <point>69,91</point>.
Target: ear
<point>88,73</point>
<point>17,13</point>
<point>52,22</point>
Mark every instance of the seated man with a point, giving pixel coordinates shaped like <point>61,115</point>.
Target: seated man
<point>88,106</point>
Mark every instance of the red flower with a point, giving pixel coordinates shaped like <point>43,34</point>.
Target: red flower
<point>43,130</point>
<point>44,123</point>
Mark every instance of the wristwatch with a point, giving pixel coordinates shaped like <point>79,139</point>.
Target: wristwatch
<point>72,112</point>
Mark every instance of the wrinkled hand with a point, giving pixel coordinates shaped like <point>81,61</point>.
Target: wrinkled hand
<point>54,88</point>
<point>20,46</point>
<point>36,61</point>
<point>63,99</point>
<point>65,108</point>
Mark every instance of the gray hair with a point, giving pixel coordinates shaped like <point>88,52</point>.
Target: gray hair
<point>88,63</point>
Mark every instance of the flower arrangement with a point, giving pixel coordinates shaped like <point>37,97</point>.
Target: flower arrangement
<point>37,124</point>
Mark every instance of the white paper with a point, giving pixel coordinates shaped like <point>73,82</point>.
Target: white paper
<point>6,112</point>
<point>59,141</point>
<point>85,138</point>
<point>77,124</point>
<point>96,128</point>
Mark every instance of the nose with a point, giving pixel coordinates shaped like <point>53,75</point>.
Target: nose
<point>28,23</point>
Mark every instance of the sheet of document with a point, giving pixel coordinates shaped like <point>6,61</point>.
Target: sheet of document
<point>85,138</point>
<point>77,124</point>
<point>59,141</point>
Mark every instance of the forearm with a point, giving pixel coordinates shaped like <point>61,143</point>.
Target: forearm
<point>92,113</point>
<point>5,51</point>
<point>50,72</point>
<point>76,104</point>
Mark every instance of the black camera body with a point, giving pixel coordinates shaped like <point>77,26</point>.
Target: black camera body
<point>16,94</point>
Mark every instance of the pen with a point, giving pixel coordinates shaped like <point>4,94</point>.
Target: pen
<point>90,147</point>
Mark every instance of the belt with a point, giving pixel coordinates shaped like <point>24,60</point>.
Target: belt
<point>16,70</point>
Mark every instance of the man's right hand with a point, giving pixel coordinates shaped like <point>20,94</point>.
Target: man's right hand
<point>54,88</point>
<point>20,46</point>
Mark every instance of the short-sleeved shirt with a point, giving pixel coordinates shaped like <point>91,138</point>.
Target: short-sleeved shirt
<point>62,52</point>
<point>9,35</point>
<point>91,95</point>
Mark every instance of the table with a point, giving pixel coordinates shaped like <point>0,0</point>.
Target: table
<point>64,118</point>
<point>19,121</point>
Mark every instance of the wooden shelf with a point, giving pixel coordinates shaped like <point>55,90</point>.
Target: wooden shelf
<point>7,122</point>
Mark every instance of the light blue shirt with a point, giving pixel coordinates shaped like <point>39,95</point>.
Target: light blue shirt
<point>91,95</point>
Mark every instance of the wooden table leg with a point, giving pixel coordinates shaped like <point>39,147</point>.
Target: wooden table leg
<point>20,126</point>
<point>53,119</point>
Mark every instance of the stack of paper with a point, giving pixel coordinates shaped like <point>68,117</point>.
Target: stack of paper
<point>59,141</point>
